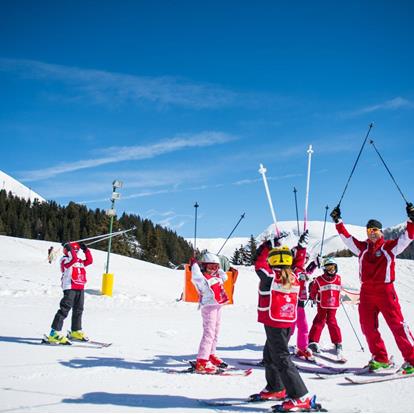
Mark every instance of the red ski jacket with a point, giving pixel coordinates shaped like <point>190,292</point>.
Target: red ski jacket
<point>377,261</point>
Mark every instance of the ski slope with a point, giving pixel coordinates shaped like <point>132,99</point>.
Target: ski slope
<point>150,332</point>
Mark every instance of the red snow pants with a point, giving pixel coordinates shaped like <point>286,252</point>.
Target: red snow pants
<point>325,316</point>
<point>382,298</point>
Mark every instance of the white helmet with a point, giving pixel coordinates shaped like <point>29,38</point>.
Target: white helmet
<point>210,258</point>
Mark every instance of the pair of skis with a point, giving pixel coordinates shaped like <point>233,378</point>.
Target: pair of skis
<point>77,344</point>
<point>230,371</point>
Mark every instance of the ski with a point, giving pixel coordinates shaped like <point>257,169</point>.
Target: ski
<point>89,341</point>
<point>75,344</point>
<point>219,372</point>
<point>313,361</point>
<point>387,377</point>
<point>315,408</point>
<point>334,359</point>
<point>255,398</point>
<point>258,364</point>
<point>323,371</point>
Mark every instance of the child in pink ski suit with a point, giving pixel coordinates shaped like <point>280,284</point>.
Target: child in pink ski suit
<point>209,281</point>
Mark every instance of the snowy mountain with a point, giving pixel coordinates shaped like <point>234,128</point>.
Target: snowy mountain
<point>150,332</point>
<point>17,188</point>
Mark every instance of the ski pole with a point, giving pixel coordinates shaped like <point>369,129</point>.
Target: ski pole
<point>296,206</point>
<point>104,235</point>
<point>196,205</point>
<point>356,162</point>
<point>389,172</point>
<point>119,233</point>
<point>305,220</point>
<point>352,326</point>
<point>323,231</point>
<point>241,218</point>
<point>262,170</point>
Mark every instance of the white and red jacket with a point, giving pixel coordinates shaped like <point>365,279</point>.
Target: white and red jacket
<point>377,260</point>
<point>326,291</point>
<point>277,305</point>
<point>209,286</point>
<point>73,270</point>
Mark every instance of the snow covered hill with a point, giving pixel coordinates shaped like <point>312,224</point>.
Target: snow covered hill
<point>17,188</point>
<point>151,331</point>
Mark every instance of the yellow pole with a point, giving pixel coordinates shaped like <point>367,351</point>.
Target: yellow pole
<point>107,284</point>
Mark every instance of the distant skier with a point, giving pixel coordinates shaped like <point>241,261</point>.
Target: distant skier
<point>277,310</point>
<point>377,274</point>
<point>73,283</point>
<point>50,254</point>
<point>325,290</point>
<point>208,279</point>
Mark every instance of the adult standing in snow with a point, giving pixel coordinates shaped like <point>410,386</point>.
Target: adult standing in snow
<point>325,290</point>
<point>377,274</point>
<point>208,279</point>
<point>73,284</point>
<point>277,310</point>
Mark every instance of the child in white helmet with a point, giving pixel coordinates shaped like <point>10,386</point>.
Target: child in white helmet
<point>208,279</point>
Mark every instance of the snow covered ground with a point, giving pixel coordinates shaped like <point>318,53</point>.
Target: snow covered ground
<point>151,331</point>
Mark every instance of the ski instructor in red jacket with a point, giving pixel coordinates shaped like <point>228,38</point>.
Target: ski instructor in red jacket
<point>377,274</point>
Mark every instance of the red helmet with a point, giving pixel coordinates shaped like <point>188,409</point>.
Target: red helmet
<point>75,246</point>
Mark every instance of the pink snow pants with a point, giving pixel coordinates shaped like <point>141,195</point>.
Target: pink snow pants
<point>211,315</point>
<point>302,340</point>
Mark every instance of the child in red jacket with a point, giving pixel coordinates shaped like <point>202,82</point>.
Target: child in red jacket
<point>325,290</point>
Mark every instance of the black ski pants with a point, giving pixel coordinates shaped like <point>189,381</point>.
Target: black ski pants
<point>280,371</point>
<point>72,299</point>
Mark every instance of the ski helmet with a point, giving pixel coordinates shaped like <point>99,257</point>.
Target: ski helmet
<point>280,257</point>
<point>75,246</point>
<point>374,224</point>
<point>210,258</point>
<point>329,261</point>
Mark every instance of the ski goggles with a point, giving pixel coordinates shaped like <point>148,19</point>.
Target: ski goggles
<point>373,230</point>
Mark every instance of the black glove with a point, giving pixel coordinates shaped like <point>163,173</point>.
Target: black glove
<point>67,246</point>
<point>336,214</point>
<point>303,239</point>
<point>277,239</point>
<point>410,211</point>
<point>83,246</point>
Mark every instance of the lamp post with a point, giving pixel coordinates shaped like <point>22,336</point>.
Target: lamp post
<point>108,278</point>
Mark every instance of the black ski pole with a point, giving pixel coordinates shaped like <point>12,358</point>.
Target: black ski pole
<point>352,326</point>
<point>356,162</point>
<point>240,219</point>
<point>296,206</point>
<point>323,231</point>
<point>196,205</point>
<point>389,172</point>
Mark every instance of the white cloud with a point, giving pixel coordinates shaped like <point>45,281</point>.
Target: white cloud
<point>392,104</point>
<point>117,88</point>
<point>139,152</point>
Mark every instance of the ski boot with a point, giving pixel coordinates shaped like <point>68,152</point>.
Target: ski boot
<point>57,338</point>
<point>203,366</point>
<point>266,395</point>
<point>376,366</point>
<point>314,347</point>
<point>78,336</point>
<point>305,354</point>
<point>406,368</point>
<point>304,404</point>
<point>218,362</point>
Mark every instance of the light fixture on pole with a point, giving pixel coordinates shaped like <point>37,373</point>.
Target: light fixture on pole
<point>108,278</point>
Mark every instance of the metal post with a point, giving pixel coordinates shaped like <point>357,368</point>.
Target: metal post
<point>111,223</point>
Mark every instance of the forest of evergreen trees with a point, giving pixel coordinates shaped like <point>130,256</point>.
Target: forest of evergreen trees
<point>50,221</point>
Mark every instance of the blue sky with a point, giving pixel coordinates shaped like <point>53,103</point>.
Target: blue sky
<point>183,100</point>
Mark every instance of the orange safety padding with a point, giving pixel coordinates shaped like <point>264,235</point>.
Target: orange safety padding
<point>190,293</point>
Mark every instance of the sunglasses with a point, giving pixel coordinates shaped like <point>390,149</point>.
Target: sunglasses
<point>373,230</point>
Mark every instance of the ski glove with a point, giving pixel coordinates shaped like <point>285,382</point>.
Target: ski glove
<point>303,239</point>
<point>83,246</point>
<point>336,214</point>
<point>277,239</point>
<point>192,261</point>
<point>67,246</point>
<point>410,211</point>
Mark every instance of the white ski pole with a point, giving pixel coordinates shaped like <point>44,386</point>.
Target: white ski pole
<point>262,170</point>
<point>305,221</point>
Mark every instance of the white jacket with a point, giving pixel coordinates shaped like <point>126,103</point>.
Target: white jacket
<point>202,285</point>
